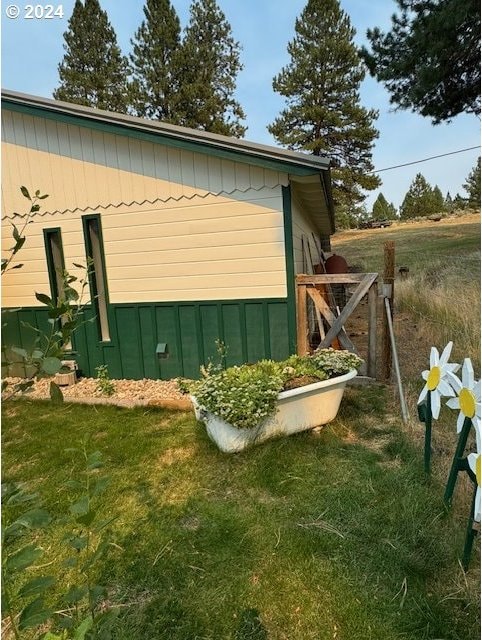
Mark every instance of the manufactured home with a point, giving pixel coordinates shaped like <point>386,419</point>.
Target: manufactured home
<point>194,237</point>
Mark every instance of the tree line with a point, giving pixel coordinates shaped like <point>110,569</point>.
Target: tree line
<point>422,200</point>
<point>188,81</point>
<point>188,76</point>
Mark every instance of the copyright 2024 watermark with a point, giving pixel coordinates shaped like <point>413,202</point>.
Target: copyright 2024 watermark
<point>34,11</point>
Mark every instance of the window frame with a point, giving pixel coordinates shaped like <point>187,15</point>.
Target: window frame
<point>100,303</point>
<point>48,233</point>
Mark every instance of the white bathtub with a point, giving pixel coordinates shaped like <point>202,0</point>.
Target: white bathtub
<point>296,410</point>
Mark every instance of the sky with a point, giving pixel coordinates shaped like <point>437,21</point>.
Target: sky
<point>33,47</point>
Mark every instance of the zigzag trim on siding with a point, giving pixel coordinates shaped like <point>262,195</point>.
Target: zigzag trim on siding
<point>136,202</point>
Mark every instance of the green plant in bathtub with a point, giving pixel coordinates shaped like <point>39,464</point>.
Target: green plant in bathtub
<point>245,395</point>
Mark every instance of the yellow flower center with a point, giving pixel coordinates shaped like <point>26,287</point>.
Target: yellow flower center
<point>467,403</point>
<point>478,470</point>
<point>433,378</point>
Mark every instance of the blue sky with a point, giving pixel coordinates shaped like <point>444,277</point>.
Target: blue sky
<point>32,49</point>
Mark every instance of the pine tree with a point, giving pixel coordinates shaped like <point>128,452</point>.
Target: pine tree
<point>420,199</point>
<point>155,79</point>
<point>323,113</point>
<point>93,71</point>
<point>472,186</point>
<point>430,59</point>
<point>448,203</point>
<point>437,200</point>
<point>208,62</point>
<point>459,202</point>
<point>382,209</point>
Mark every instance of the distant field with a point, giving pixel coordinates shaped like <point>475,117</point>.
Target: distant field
<point>416,245</point>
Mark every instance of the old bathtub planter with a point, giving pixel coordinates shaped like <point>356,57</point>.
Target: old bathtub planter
<point>297,410</point>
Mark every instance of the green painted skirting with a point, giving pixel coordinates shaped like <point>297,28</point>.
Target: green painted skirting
<point>252,329</point>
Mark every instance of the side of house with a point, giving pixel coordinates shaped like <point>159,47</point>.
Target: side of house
<point>192,237</point>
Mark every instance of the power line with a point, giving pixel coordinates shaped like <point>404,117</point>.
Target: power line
<point>406,164</point>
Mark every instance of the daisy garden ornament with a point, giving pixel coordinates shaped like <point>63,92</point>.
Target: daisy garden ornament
<point>467,400</point>
<point>474,464</point>
<point>438,379</point>
<point>474,460</point>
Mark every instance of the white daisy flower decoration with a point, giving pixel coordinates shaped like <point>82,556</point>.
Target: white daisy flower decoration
<point>468,395</point>
<point>474,460</point>
<point>437,378</point>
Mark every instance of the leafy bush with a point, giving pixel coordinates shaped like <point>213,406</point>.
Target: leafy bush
<point>245,395</point>
<point>88,538</point>
<point>64,316</point>
<point>22,594</point>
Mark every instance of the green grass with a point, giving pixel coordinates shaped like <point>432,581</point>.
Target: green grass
<point>416,246</point>
<point>316,536</point>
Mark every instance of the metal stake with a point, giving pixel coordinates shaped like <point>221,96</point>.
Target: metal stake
<point>403,404</point>
<point>458,462</point>
<point>471,533</point>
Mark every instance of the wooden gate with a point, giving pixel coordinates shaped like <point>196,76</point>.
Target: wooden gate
<point>318,289</point>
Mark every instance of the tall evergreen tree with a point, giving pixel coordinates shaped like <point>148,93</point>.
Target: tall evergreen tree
<point>430,59</point>
<point>472,186</point>
<point>155,79</point>
<point>323,113</point>
<point>208,62</point>
<point>437,200</point>
<point>448,203</point>
<point>93,71</point>
<point>420,200</point>
<point>382,209</point>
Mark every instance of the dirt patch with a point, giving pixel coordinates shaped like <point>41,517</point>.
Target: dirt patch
<point>301,381</point>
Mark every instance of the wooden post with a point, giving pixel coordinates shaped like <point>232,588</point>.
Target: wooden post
<point>372,331</point>
<point>302,321</point>
<point>389,280</point>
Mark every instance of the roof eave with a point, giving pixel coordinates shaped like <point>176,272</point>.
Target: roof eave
<point>306,163</point>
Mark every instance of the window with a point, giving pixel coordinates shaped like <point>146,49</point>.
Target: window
<point>97,275</point>
<point>56,267</point>
<point>55,261</point>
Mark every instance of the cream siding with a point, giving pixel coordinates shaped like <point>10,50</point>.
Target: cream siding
<point>141,170</point>
<point>303,230</point>
<point>176,225</point>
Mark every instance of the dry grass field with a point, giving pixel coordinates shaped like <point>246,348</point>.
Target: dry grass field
<point>440,298</point>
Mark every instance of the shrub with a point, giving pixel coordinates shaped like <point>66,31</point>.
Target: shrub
<point>335,362</point>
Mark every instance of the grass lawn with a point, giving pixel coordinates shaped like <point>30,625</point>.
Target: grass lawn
<point>329,535</point>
